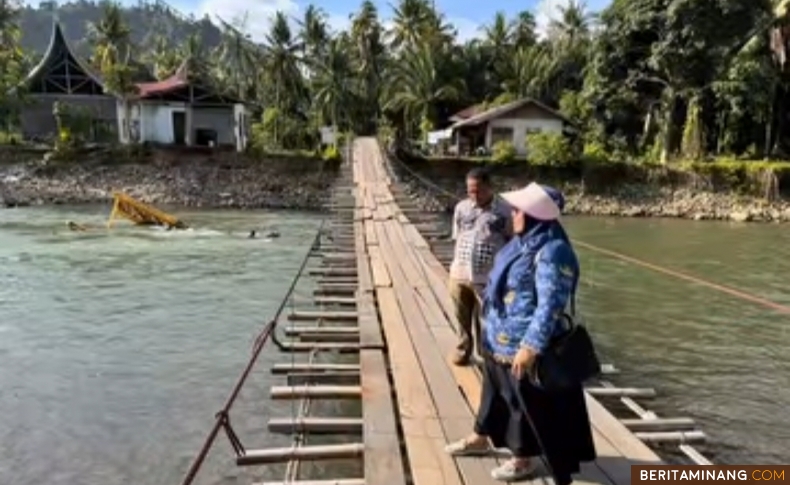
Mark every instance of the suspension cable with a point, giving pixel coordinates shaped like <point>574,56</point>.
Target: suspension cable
<point>222,418</point>
<point>778,307</point>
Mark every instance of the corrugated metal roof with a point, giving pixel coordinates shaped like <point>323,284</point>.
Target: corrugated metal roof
<point>499,111</point>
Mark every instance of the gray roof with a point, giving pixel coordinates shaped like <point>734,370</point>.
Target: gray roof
<point>499,111</point>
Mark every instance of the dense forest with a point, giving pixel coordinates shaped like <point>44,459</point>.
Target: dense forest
<point>653,80</point>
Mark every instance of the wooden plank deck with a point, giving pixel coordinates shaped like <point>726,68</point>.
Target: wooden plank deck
<point>436,400</point>
<point>383,296</point>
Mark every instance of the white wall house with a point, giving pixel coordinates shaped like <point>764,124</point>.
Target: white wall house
<point>177,111</point>
<point>511,122</point>
<point>169,122</point>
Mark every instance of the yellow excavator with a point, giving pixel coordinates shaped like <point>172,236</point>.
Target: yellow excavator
<point>142,214</point>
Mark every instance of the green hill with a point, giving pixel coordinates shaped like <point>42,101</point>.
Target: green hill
<point>144,19</point>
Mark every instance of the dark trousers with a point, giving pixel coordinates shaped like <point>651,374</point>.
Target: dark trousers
<point>560,420</point>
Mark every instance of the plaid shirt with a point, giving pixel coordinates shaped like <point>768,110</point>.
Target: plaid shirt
<point>479,233</point>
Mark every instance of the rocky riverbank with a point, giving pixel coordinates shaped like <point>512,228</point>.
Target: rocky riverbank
<point>191,180</point>
<point>621,199</point>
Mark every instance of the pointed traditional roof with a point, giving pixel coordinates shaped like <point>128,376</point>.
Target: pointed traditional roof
<point>60,72</point>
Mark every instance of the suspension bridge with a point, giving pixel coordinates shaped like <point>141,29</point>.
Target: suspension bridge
<point>382,298</point>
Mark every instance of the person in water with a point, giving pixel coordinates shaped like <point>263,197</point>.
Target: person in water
<point>533,278</point>
<point>269,235</point>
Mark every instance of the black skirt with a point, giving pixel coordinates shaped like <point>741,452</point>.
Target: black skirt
<point>560,418</point>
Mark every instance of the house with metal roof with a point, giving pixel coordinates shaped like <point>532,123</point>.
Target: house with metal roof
<point>475,127</point>
<point>186,110</point>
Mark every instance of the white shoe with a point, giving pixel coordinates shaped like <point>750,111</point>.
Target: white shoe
<point>464,447</point>
<point>511,472</point>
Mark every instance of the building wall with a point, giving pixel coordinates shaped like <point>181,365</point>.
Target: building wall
<point>38,121</point>
<point>153,120</point>
<point>219,119</point>
<point>157,121</point>
<point>522,126</point>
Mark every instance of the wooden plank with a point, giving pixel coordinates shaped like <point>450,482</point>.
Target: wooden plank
<point>296,331</point>
<point>620,392</point>
<point>323,378</point>
<point>381,278</point>
<point>659,424</point>
<point>315,425</point>
<point>315,392</point>
<point>455,417</point>
<point>422,433</point>
<point>339,481</point>
<point>335,300</point>
<point>371,238</point>
<point>370,335</point>
<point>333,315</point>
<point>383,463</point>
<point>364,274</point>
<point>297,367</point>
<point>626,444</point>
<point>318,452</point>
<point>325,346</point>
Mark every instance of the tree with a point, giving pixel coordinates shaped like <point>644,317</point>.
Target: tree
<point>12,62</point>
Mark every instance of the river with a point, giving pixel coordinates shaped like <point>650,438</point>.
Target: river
<point>117,347</point>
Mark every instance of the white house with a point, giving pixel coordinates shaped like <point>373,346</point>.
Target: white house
<point>180,111</point>
<point>512,122</point>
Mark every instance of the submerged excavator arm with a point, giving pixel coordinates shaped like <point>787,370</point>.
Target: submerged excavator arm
<point>140,213</point>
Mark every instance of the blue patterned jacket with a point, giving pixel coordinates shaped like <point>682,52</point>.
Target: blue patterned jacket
<point>536,292</point>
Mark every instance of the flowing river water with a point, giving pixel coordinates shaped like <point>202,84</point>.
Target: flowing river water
<point>117,347</point>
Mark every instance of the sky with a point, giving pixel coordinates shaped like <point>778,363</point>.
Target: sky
<point>468,16</point>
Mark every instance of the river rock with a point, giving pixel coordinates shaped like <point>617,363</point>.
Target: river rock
<point>741,216</point>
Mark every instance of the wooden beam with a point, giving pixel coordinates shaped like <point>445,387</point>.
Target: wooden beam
<point>671,436</point>
<point>659,424</point>
<point>339,481</point>
<point>315,425</point>
<point>318,452</point>
<point>323,378</point>
<point>308,367</point>
<point>310,315</point>
<point>620,392</point>
<point>315,392</point>
<point>297,331</point>
<point>335,300</point>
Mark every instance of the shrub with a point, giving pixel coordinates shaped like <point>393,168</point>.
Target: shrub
<point>503,152</point>
<point>595,153</point>
<point>10,138</point>
<point>550,149</point>
<point>331,154</point>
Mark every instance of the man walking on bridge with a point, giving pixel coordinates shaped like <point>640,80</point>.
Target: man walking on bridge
<point>481,226</point>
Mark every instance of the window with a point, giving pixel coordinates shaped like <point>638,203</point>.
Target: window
<point>533,131</point>
<point>501,134</point>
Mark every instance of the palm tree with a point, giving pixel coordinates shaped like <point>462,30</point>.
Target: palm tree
<point>314,36</point>
<point>523,29</point>
<point>110,37</point>
<point>528,73</point>
<point>282,67</point>
<point>112,55</point>
<point>416,87</point>
<point>409,19</point>
<point>332,92</point>
<point>366,36</point>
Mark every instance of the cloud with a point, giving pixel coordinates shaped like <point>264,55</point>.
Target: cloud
<point>545,12</point>
<point>467,29</point>
<point>256,16</point>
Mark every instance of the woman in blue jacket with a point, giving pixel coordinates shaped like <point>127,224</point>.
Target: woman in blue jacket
<point>532,282</point>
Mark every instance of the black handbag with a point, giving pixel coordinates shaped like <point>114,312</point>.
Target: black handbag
<point>570,358</point>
